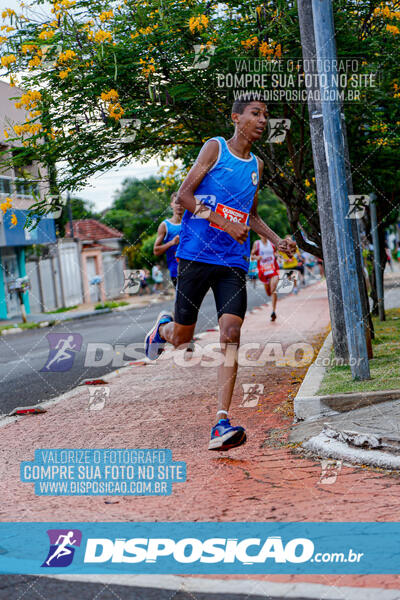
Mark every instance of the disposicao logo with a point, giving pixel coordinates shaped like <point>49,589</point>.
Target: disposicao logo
<point>62,547</point>
<point>190,550</point>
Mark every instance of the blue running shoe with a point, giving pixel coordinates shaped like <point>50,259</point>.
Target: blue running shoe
<point>224,436</point>
<point>154,343</point>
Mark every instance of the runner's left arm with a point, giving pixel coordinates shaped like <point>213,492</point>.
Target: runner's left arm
<point>258,226</point>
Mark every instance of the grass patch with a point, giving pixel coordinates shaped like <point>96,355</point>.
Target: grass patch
<point>20,326</point>
<point>28,325</point>
<point>61,310</point>
<point>384,367</point>
<point>110,304</point>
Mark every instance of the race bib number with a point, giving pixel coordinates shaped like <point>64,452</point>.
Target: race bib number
<point>267,266</point>
<point>231,214</point>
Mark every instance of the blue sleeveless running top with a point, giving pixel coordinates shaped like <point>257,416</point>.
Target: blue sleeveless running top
<point>228,188</point>
<point>173,229</point>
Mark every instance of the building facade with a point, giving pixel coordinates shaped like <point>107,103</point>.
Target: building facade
<point>15,239</point>
<point>101,259</point>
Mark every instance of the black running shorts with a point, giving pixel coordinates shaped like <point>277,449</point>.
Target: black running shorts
<point>196,278</point>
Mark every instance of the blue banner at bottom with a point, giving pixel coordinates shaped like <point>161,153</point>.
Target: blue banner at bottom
<point>199,548</point>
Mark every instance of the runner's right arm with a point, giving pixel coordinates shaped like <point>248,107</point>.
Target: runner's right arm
<point>206,159</point>
<point>160,248</point>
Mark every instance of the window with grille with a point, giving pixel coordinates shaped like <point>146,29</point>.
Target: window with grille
<point>5,186</point>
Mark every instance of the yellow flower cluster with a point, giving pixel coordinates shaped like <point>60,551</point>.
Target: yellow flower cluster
<point>63,5</point>
<point>28,48</point>
<point>381,142</point>
<point>66,56</point>
<point>110,96</point>
<point>4,206</point>
<point>168,180</point>
<point>266,49</point>
<point>34,62</point>
<point>384,11</point>
<point>2,39</point>
<point>250,42</point>
<point>6,61</point>
<point>397,90</point>
<point>147,30</point>
<point>46,34</point>
<point>34,114</point>
<point>86,26</point>
<point>380,127</point>
<point>32,128</point>
<point>198,23</point>
<point>29,100</point>
<point>64,74</point>
<point>148,67</point>
<point>116,111</point>
<point>393,29</point>
<point>8,12</point>
<point>106,15</point>
<point>102,36</point>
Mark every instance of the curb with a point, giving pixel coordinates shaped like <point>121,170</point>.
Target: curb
<point>41,324</point>
<point>329,447</point>
<point>307,405</point>
<point>316,434</point>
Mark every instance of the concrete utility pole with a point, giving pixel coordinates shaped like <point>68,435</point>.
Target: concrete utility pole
<point>377,257</point>
<point>324,33</point>
<point>331,262</point>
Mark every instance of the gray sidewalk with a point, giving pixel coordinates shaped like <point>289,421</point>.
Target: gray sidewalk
<point>358,428</point>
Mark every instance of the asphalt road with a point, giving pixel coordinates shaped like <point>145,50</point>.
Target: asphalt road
<point>17,587</point>
<point>24,355</point>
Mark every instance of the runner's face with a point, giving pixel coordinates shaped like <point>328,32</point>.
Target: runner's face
<point>253,121</point>
<point>177,208</point>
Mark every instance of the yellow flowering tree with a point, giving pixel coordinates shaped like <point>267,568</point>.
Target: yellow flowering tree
<point>108,81</point>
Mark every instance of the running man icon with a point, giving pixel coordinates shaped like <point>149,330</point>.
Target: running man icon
<point>63,347</point>
<point>62,542</point>
<point>62,549</point>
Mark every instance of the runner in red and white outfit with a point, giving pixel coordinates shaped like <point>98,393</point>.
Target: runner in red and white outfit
<point>268,269</point>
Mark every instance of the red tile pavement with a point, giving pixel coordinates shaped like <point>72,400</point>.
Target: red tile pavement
<point>164,405</point>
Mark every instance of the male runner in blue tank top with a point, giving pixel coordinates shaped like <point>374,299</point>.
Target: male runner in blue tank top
<point>168,237</point>
<point>220,197</point>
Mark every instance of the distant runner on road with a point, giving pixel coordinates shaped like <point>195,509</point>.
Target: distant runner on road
<point>220,197</point>
<point>268,269</point>
<point>168,237</point>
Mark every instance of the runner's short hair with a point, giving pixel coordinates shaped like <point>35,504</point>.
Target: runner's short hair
<point>244,99</point>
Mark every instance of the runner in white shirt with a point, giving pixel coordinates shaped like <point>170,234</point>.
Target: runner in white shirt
<point>268,270</point>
